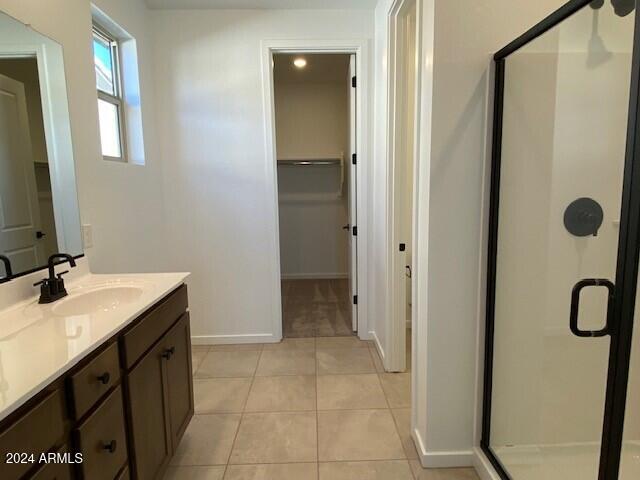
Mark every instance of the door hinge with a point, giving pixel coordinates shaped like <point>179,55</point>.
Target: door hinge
<point>354,158</point>
<point>355,299</point>
<point>403,247</point>
<point>355,231</point>
<point>353,81</point>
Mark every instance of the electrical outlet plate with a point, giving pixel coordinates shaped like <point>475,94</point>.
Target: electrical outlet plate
<point>87,235</point>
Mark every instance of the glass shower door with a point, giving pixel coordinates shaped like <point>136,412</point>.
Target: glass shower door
<point>565,105</point>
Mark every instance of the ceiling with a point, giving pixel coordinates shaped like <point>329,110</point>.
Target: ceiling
<point>262,4</point>
<point>321,68</point>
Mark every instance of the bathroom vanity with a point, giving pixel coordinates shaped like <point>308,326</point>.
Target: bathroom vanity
<point>95,370</point>
<point>101,377</point>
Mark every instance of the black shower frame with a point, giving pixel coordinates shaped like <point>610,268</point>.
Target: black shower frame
<point>623,305</point>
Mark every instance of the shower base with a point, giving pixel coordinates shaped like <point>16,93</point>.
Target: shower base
<point>564,462</point>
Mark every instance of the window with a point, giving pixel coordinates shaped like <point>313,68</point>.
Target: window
<point>106,60</point>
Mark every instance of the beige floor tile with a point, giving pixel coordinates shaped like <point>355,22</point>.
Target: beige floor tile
<point>220,395</point>
<point>442,473</point>
<point>292,344</point>
<point>397,388</point>
<point>286,362</point>
<point>339,392</point>
<point>378,470</point>
<point>276,438</point>
<point>282,471</point>
<point>377,361</point>
<point>198,353</point>
<point>228,364</point>
<point>208,440</point>
<point>358,435</point>
<point>340,342</point>
<point>402,416</point>
<point>194,473</point>
<point>238,347</point>
<point>338,361</point>
<point>282,394</point>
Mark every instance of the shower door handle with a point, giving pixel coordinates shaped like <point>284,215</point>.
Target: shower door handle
<point>575,306</point>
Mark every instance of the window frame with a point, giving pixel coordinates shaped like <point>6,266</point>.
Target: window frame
<point>117,98</point>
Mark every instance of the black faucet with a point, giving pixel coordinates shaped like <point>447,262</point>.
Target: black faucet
<point>52,288</point>
<point>7,267</point>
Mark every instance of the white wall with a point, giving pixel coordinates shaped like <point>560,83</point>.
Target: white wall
<point>312,122</point>
<point>129,227</point>
<point>122,202</point>
<point>378,297</point>
<point>466,36</point>
<point>212,138</point>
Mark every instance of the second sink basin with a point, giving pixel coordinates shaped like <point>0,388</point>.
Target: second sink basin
<point>101,299</point>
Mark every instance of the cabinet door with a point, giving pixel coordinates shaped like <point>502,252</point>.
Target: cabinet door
<point>148,415</point>
<point>179,379</point>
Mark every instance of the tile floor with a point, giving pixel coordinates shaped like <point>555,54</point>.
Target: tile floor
<point>304,409</point>
<point>316,308</point>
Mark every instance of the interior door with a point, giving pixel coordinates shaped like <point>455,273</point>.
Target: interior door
<point>19,209</point>
<point>353,192</point>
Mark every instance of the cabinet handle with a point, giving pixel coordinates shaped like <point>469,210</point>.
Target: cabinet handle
<point>104,378</point>
<point>110,447</point>
<point>168,352</point>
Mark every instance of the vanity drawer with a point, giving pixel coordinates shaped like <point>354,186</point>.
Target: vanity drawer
<point>95,379</point>
<point>39,430</point>
<point>55,471</point>
<point>102,440</point>
<point>153,325</point>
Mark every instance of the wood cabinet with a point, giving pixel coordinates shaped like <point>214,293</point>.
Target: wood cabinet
<point>55,471</point>
<point>124,408</point>
<point>102,439</point>
<point>163,373</point>
<point>179,379</point>
<point>149,425</point>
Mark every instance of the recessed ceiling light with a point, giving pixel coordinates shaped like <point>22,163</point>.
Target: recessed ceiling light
<point>300,62</point>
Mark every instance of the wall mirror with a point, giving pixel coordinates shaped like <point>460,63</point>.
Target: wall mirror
<point>39,212</point>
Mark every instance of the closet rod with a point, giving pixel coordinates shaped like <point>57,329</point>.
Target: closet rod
<point>332,161</point>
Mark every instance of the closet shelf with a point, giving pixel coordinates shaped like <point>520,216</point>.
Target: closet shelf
<point>330,160</point>
<point>311,162</point>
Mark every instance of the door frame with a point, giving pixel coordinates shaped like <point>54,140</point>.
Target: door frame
<point>396,326</point>
<point>32,188</point>
<point>58,141</point>
<point>358,47</point>
<point>627,262</point>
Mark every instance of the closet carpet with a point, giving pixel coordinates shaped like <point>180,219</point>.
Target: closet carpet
<point>316,308</point>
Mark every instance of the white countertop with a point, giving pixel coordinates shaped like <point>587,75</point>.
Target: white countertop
<point>38,343</point>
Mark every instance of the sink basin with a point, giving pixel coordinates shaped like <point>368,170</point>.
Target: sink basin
<point>103,299</point>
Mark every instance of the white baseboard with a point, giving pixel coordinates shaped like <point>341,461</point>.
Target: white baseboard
<point>233,339</point>
<point>313,276</point>
<point>376,342</point>
<point>446,459</point>
<point>483,465</point>
<point>452,459</point>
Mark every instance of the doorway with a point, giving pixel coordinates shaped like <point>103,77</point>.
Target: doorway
<point>559,399</point>
<point>402,165</point>
<point>27,223</point>
<point>315,130</point>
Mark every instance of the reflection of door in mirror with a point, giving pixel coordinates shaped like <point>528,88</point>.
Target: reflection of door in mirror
<point>27,225</point>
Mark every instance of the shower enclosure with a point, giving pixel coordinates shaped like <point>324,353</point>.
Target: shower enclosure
<point>562,371</point>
